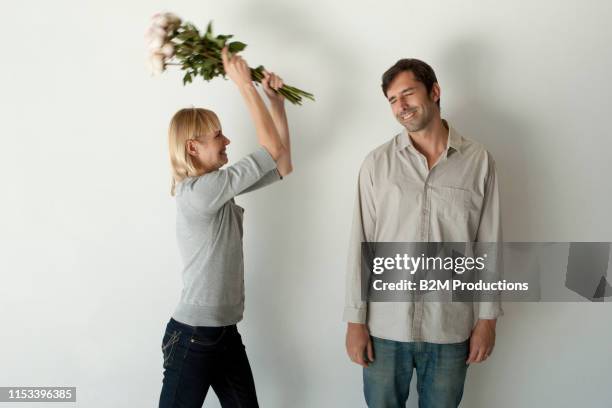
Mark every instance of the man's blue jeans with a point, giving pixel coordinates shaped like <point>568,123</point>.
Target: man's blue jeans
<point>440,368</point>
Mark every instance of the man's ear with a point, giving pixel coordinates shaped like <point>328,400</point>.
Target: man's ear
<point>435,92</point>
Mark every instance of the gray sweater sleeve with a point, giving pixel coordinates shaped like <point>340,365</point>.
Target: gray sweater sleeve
<point>269,178</point>
<point>209,192</point>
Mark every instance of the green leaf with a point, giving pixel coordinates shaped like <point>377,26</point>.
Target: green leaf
<point>236,46</point>
<point>218,41</point>
<point>185,35</point>
<point>187,78</point>
<point>191,28</point>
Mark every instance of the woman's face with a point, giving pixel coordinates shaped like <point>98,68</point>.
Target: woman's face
<point>209,150</point>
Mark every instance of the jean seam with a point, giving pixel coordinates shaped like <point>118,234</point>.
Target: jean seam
<point>179,372</point>
<point>174,337</point>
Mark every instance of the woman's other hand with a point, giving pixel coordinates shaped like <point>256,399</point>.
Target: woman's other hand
<point>236,68</point>
<point>272,83</point>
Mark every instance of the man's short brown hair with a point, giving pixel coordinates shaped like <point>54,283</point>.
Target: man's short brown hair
<point>421,70</point>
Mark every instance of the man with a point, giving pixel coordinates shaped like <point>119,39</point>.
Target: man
<point>427,184</point>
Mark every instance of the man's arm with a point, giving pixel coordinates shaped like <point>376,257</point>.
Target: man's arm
<point>482,339</point>
<point>358,341</point>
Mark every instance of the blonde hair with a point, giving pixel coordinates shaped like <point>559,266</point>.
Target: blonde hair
<point>187,124</point>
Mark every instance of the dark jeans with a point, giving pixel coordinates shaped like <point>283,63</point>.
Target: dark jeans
<point>196,358</point>
<point>440,368</point>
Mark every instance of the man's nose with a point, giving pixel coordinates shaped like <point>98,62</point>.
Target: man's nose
<point>406,105</point>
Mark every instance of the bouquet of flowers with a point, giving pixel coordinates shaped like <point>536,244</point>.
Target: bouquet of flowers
<point>173,42</point>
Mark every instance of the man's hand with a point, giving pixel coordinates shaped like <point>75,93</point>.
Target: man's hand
<point>359,344</point>
<point>482,341</point>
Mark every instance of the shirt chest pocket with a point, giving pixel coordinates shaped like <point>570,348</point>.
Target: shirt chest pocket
<point>450,203</point>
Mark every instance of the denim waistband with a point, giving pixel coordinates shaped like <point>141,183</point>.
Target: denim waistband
<point>185,328</point>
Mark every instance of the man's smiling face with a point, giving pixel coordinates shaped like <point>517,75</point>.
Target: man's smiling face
<point>412,106</point>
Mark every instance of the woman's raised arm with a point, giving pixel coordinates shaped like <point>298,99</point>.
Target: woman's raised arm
<point>267,134</point>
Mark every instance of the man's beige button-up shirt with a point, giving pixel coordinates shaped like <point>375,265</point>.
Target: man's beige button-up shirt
<point>399,199</point>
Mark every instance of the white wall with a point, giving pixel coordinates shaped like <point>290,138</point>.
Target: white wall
<point>88,259</point>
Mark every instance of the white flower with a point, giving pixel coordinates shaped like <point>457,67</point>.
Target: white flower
<point>155,32</point>
<point>160,20</point>
<point>173,18</point>
<point>166,21</point>
<point>168,50</point>
<point>158,37</point>
<point>155,44</point>
<point>172,27</point>
<point>156,64</point>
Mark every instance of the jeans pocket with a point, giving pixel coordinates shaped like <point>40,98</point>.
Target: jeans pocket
<point>168,345</point>
<point>208,336</point>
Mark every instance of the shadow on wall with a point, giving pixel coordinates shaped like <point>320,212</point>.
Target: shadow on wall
<point>287,27</point>
<point>468,64</point>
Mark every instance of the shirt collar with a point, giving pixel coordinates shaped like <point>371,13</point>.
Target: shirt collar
<point>454,141</point>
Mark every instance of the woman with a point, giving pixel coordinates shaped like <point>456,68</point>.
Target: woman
<point>201,346</point>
